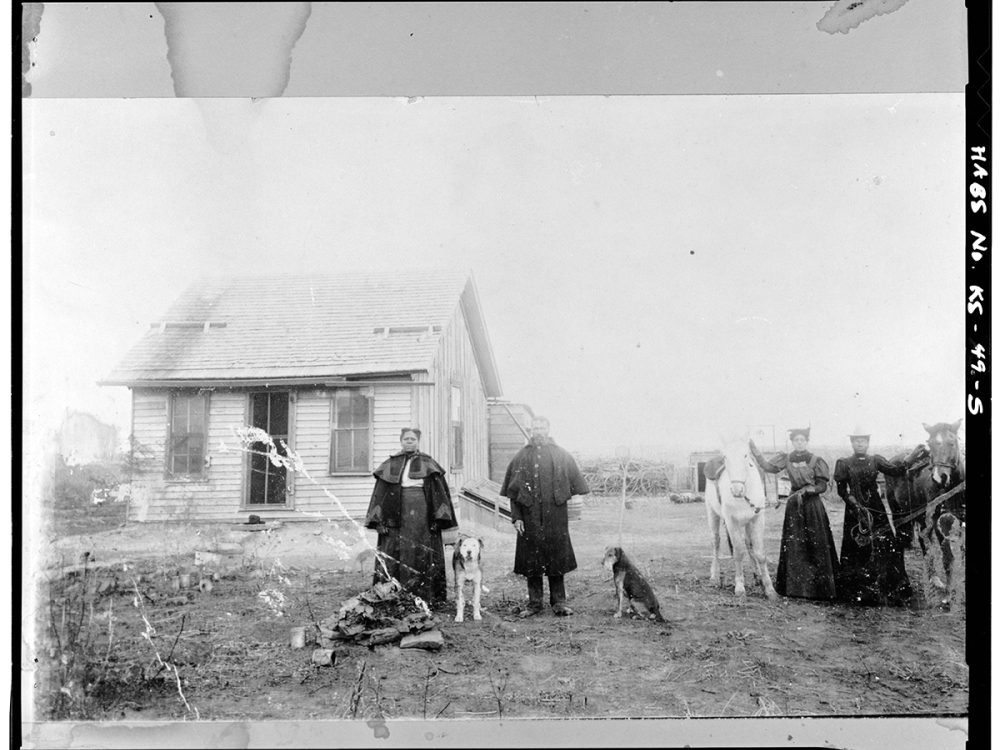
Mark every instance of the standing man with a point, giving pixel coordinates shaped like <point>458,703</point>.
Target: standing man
<point>539,481</point>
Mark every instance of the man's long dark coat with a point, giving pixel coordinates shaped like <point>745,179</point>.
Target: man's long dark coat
<point>539,481</point>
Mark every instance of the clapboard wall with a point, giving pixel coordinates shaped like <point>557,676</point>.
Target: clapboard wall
<point>506,436</point>
<point>216,496</point>
<point>316,488</point>
<point>220,495</point>
<point>455,364</point>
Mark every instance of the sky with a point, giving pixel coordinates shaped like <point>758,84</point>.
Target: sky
<point>654,270</point>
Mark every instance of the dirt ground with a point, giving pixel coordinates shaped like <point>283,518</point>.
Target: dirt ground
<point>714,657</point>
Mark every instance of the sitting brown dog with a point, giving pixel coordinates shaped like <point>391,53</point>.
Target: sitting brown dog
<point>629,582</point>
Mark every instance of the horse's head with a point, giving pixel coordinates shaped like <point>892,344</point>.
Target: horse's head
<point>945,454</point>
<point>741,468</point>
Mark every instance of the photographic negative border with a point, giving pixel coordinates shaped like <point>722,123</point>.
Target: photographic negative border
<point>855,732</point>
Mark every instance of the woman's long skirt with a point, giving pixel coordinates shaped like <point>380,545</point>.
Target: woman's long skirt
<point>873,573</point>
<point>807,563</point>
<point>414,553</point>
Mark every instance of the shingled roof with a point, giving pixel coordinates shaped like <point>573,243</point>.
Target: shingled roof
<point>307,329</point>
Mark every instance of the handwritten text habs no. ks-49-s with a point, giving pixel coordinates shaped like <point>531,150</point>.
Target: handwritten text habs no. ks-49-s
<point>977,353</point>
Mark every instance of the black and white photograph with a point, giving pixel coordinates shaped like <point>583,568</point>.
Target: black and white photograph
<point>442,373</point>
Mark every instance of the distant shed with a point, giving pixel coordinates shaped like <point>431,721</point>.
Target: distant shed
<point>695,479</point>
<point>510,426</point>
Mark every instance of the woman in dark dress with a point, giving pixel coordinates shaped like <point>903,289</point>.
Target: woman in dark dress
<point>807,563</point>
<point>871,553</point>
<point>410,507</point>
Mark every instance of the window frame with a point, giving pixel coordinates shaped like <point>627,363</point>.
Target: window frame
<point>332,469</point>
<point>287,437</point>
<point>201,475</point>
<point>456,443</point>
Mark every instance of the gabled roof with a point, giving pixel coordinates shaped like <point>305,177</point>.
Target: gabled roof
<point>307,328</point>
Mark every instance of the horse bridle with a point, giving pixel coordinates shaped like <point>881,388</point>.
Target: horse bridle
<point>742,483</point>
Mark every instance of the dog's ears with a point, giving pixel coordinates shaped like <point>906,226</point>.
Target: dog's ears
<point>480,540</point>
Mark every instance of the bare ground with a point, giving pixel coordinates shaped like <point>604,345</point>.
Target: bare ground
<point>714,657</point>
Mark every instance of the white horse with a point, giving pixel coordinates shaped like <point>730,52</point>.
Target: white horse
<point>734,494</point>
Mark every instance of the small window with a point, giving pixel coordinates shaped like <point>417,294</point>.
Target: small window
<point>351,432</point>
<point>188,435</point>
<point>457,448</point>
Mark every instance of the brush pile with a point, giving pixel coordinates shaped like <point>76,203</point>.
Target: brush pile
<point>381,615</point>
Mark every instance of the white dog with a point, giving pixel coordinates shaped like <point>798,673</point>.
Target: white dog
<point>466,562</point>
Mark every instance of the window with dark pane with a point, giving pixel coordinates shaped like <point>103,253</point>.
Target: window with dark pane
<point>351,432</point>
<point>268,482</point>
<point>457,447</point>
<point>188,423</point>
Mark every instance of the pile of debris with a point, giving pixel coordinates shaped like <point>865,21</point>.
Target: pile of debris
<point>382,615</point>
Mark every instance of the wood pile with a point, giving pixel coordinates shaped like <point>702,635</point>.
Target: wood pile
<point>382,615</point>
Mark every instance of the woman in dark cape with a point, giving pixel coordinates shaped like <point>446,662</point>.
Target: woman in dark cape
<point>807,563</point>
<point>410,507</point>
<point>871,553</point>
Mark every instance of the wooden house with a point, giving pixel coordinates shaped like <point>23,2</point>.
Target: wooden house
<point>331,366</point>
<point>510,428</point>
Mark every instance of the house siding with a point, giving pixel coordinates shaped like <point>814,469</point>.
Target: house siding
<point>506,438</point>
<point>220,495</point>
<point>213,497</point>
<point>391,413</point>
<point>456,363</point>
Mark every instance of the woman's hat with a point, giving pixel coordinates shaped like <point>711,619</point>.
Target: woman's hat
<point>804,431</point>
<point>860,431</point>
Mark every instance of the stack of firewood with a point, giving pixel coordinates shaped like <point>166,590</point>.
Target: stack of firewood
<point>382,615</point>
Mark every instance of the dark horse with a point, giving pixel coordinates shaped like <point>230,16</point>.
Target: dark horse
<point>931,498</point>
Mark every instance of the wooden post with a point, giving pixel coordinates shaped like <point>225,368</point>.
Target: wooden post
<point>623,455</point>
